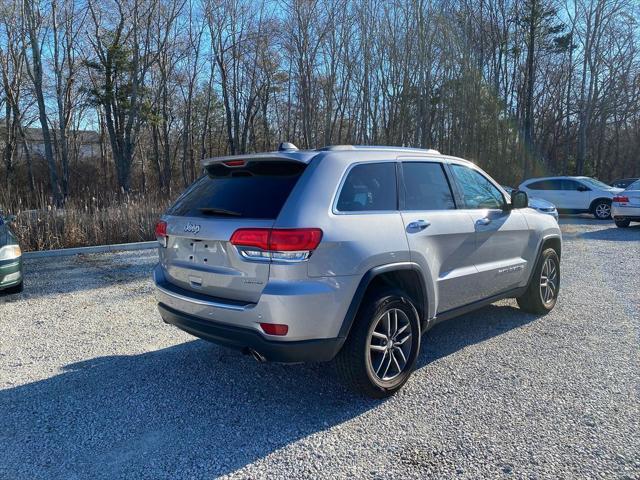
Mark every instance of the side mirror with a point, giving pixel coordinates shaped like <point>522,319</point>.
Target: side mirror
<point>582,188</point>
<point>519,199</point>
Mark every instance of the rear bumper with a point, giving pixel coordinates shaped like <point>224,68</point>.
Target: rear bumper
<point>622,212</point>
<point>243,338</point>
<point>314,309</point>
<point>10,273</point>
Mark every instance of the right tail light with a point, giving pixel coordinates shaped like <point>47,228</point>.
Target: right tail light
<point>283,244</point>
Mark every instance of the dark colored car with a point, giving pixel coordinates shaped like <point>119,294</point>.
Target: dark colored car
<point>11,272</point>
<point>623,182</point>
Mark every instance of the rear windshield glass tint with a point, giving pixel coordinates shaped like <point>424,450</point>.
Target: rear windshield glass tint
<point>369,187</point>
<point>256,190</point>
<point>426,187</point>
<point>634,186</point>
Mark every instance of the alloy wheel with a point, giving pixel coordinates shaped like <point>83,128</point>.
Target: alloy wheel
<point>389,344</point>
<point>603,210</point>
<point>548,281</point>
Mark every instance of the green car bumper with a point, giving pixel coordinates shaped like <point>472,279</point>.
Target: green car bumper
<point>10,273</point>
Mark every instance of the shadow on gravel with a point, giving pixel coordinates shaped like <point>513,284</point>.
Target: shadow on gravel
<point>194,410</point>
<point>475,327</point>
<point>629,234</point>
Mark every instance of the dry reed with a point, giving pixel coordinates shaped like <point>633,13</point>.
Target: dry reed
<point>84,220</point>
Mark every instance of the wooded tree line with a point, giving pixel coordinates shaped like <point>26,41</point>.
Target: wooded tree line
<point>522,87</point>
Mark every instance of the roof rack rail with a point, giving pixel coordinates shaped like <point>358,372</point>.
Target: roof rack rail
<point>336,148</point>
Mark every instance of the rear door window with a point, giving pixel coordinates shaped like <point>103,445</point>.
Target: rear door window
<point>426,187</point>
<point>369,187</point>
<point>257,190</point>
<point>571,185</point>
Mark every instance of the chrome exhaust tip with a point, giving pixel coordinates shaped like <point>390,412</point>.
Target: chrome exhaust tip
<point>256,355</point>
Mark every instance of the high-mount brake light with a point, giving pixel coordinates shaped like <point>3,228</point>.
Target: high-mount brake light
<point>281,244</point>
<point>161,233</point>
<point>620,199</point>
<point>235,163</point>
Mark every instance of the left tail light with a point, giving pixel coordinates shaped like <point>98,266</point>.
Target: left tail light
<point>281,244</point>
<point>620,199</point>
<point>161,233</point>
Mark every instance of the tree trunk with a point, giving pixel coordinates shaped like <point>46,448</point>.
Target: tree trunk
<point>531,78</point>
<point>36,77</point>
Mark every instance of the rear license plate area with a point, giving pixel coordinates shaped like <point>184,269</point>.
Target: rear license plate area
<point>205,252</point>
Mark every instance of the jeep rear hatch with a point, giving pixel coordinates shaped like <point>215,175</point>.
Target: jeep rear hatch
<point>235,193</point>
<point>239,188</point>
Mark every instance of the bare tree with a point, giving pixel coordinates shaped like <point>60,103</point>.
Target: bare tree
<point>12,59</point>
<point>124,57</point>
<point>523,87</point>
<point>35,30</point>
<point>193,69</point>
<point>67,23</point>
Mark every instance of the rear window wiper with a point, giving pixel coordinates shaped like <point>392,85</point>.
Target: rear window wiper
<point>219,211</point>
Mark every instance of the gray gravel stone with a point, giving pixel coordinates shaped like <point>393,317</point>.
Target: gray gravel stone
<point>94,385</point>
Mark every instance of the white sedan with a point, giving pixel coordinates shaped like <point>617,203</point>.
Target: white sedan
<point>625,207</point>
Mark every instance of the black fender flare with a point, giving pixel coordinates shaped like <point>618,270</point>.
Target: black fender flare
<point>366,280</point>
<point>540,249</point>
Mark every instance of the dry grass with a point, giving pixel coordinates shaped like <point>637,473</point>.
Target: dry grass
<point>85,220</point>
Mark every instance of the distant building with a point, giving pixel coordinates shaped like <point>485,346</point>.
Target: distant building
<point>83,144</point>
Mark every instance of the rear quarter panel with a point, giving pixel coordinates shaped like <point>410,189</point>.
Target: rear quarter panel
<point>352,243</point>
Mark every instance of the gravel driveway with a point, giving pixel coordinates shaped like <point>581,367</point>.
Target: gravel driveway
<point>94,385</point>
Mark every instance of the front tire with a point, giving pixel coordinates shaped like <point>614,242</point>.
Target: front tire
<point>623,223</point>
<point>602,210</point>
<point>383,345</point>
<point>542,291</point>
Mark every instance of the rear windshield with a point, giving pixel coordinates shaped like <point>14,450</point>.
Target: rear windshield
<point>595,183</point>
<point>256,190</point>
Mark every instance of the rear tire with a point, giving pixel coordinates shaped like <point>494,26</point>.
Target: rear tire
<point>542,292</point>
<point>602,209</point>
<point>623,223</point>
<point>383,345</point>
<point>15,289</point>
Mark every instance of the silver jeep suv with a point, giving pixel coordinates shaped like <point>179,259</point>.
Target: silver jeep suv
<point>348,253</point>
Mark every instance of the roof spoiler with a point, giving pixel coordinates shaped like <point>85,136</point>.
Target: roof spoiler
<point>234,160</point>
<point>286,151</point>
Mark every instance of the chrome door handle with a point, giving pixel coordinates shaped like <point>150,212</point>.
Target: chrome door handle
<point>418,225</point>
<point>483,221</point>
